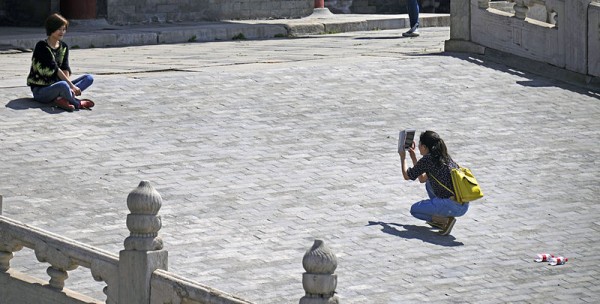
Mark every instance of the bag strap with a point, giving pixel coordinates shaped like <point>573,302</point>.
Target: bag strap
<point>441,184</point>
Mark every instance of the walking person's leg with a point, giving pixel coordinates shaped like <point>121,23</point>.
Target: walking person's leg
<point>413,15</point>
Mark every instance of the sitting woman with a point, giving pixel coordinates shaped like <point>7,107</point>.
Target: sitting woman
<point>433,169</point>
<point>49,75</point>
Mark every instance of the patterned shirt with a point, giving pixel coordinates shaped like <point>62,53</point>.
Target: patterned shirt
<point>428,165</point>
<point>45,63</point>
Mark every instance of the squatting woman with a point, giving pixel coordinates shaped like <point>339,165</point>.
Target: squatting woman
<point>433,169</point>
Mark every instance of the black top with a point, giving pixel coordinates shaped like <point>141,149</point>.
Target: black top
<point>428,165</point>
<point>45,63</point>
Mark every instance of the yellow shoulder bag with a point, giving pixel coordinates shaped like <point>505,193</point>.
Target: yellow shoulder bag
<point>466,187</point>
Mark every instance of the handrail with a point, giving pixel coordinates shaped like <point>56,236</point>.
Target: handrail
<point>175,289</point>
<point>29,236</point>
<point>61,253</point>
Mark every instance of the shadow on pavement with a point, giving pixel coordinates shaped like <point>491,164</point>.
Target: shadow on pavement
<point>29,103</point>
<point>537,74</point>
<point>347,34</point>
<point>417,232</point>
<point>381,37</point>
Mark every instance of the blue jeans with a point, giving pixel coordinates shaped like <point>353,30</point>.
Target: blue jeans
<point>413,12</point>
<point>426,209</point>
<point>61,88</point>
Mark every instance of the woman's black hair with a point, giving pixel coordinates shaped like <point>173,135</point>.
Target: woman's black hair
<point>54,22</point>
<point>437,147</point>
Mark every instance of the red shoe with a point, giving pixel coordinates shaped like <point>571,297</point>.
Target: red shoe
<point>86,104</point>
<point>64,104</point>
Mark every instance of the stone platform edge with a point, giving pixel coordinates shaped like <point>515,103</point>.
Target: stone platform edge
<point>82,37</point>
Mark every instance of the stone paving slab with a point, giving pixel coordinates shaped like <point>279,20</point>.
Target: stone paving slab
<point>259,147</point>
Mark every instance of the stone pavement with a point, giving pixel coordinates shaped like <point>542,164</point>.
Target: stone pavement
<point>259,147</point>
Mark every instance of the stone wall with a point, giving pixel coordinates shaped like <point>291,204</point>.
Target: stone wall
<point>594,39</point>
<point>24,12</point>
<point>2,10</point>
<point>399,6</point>
<point>147,11</point>
<point>569,38</point>
<point>389,6</point>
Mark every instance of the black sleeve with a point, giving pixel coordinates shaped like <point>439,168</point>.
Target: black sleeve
<point>420,167</point>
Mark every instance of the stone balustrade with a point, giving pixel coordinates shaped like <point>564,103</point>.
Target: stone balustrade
<point>568,38</point>
<point>139,274</point>
<point>62,254</point>
<point>523,9</point>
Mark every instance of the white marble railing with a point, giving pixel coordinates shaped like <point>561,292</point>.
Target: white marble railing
<point>522,7</point>
<point>568,37</point>
<point>138,274</point>
<point>62,254</point>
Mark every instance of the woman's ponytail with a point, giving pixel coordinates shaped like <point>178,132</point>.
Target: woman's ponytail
<point>437,147</point>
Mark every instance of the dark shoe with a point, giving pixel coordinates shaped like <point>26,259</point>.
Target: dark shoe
<point>446,230</point>
<point>413,32</point>
<point>435,225</point>
<point>438,221</point>
<point>86,104</point>
<point>64,104</point>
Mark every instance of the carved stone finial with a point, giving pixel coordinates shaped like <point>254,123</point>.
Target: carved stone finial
<point>319,259</point>
<point>318,281</point>
<point>143,221</point>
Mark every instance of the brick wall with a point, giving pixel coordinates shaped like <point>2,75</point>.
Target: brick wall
<point>145,11</point>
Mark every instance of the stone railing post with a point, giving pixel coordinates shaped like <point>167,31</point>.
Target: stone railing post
<point>143,248</point>
<point>521,9</point>
<point>8,245</point>
<point>460,28</point>
<point>319,281</point>
<point>575,24</point>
